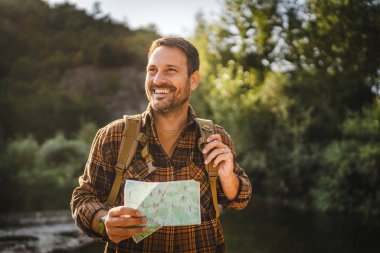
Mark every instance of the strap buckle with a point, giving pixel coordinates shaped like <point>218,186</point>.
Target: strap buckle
<point>151,167</point>
<point>141,137</point>
<point>213,172</point>
<point>148,158</point>
<point>119,168</point>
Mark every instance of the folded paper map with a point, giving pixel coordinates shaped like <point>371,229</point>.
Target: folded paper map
<point>175,203</point>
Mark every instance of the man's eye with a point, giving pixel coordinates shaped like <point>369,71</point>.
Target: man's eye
<point>151,70</point>
<point>172,70</point>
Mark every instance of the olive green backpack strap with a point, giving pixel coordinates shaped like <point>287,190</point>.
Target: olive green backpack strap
<point>206,128</point>
<point>127,151</point>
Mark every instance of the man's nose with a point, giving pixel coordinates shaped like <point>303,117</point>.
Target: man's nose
<point>160,78</point>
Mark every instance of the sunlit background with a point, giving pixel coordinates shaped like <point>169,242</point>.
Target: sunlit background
<point>296,83</point>
<point>171,17</point>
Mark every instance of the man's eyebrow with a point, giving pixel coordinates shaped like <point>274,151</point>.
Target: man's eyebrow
<point>167,65</point>
<point>172,66</point>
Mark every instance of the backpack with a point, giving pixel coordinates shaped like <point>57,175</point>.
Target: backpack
<point>130,140</point>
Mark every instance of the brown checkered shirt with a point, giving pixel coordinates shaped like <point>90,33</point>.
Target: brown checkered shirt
<point>186,163</point>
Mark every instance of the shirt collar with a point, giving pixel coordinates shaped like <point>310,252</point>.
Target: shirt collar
<point>147,116</point>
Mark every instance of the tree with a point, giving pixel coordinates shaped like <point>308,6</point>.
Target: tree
<point>350,180</point>
<point>39,45</point>
<point>335,51</point>
<point>248,32</point>
<point>284,76</point>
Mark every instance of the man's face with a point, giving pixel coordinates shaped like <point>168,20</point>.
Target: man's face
<point>167,84</point>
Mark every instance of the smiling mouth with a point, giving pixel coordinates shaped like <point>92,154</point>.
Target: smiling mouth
<point>161,91</point>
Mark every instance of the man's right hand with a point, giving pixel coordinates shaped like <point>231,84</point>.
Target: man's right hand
<point>121,223</point>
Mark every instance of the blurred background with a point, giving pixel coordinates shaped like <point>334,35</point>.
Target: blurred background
<point>295,82</point>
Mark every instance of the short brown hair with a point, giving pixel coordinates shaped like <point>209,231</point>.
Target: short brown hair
<point>190,51</point>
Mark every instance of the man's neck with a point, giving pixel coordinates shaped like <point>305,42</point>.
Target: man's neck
<point>169,128</point>
<point>172,122</point>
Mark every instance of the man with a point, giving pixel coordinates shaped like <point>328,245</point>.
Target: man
<point>169,123</point>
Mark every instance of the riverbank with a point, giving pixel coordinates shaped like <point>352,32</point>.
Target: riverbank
<point>42,232</point>
<point>259,228</point>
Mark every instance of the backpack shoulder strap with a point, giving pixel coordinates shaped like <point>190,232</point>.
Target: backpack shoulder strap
<point>126,153</point>
<point>206,128</point>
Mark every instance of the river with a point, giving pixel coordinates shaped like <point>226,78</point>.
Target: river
<point>41,232</point>
<point>260,228</point>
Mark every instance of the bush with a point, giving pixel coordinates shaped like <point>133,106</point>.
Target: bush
<point>19,158</point>
<point>350,181</point>
<point>40,177</point>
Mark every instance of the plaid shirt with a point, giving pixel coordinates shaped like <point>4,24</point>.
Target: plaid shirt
<point>186,163</point>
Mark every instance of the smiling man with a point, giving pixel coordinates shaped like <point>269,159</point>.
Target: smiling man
<point>172,132</point>
<point>168,83</point>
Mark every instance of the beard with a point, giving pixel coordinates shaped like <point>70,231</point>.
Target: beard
<point>171,102</point>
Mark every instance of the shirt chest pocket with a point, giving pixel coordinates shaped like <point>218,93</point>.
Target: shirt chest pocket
<point>197,173</point>
<point>138,171</point>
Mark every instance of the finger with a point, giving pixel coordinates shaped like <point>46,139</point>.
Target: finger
<point>123,210</point>
<point>214,153</point>
<point>221,158</point>
<point>211,145</point>
<point>214,137</point>
<point>126,231</point>
<point>125,221</point>
<point>117,239</point>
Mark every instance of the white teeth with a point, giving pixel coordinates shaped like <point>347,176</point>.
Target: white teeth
<point>162,91</point>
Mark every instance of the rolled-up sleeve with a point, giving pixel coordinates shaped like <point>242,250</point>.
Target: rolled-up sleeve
<point>245,189</point>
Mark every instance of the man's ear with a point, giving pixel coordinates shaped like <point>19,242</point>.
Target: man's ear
<point>195,78</point>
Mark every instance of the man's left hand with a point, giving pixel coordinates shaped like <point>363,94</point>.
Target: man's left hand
<point>220,155</point>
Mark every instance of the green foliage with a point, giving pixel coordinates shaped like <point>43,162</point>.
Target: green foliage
<point>59,164</point>
<point>335,54</point>
<point>38,177</point>
<point>87,132</point>
<point>240,96</point>
<point>269,145</point>
<point>23,153</point>
<point>350,181</point>
<point>39,45</point>
<point>247,31</point>
<point>20,155</point>
<point>293,82</point>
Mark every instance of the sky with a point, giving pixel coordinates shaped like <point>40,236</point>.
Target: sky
<point>171,17</point>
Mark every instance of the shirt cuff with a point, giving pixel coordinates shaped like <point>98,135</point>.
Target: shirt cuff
<point>223,200</point>
<point>92,209</point>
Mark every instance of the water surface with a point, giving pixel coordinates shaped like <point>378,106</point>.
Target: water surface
<point>260,228</point>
